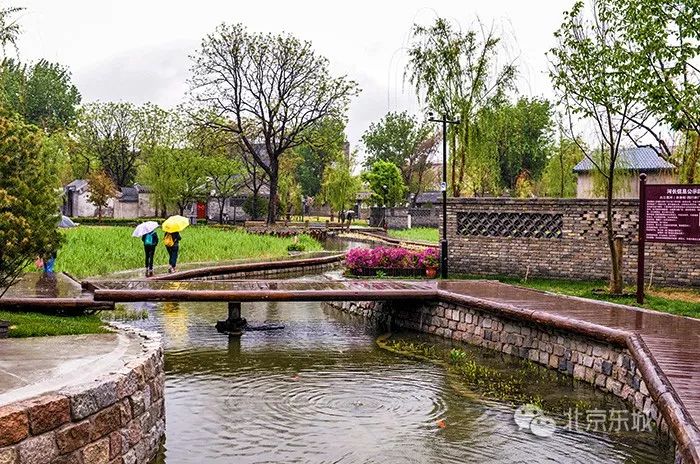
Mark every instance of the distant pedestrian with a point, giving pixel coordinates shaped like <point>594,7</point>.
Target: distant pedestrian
<point>150,240</point>
<point>49,262</point>
<point>349,216</point>
<point>172,244</point>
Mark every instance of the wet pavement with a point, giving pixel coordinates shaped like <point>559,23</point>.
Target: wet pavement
<point>36,365</point>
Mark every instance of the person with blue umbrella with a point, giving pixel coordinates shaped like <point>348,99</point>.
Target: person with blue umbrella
<point>147,232</point>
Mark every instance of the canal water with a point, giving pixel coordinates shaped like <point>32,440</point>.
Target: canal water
<point>322,391</point>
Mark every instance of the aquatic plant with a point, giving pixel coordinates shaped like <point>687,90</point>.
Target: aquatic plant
<point>457,356</point>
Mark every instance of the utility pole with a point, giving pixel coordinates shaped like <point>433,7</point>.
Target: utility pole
<point>443,186</point>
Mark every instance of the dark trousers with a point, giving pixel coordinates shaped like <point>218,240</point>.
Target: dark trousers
<point>172,253</point>
<point>150,253</point>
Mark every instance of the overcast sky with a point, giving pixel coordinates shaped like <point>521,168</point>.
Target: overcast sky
<point>138,50</point>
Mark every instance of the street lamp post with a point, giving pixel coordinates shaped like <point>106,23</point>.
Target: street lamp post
<point>443,186</point>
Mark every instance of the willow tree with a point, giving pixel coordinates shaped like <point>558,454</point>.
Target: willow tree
<point>9,27</point>
<point>275,84</point>
<point>457,73</point>
<point>591,72</point>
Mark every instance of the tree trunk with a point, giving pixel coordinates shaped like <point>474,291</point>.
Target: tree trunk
<point>272,208</point>
<point>222,205</point>
<point>616,271</point>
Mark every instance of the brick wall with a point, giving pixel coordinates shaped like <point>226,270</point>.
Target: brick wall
<point>118,419</point>
<point>557,238</point>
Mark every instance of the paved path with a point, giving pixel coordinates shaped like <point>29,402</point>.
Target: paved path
<point>674,341</point>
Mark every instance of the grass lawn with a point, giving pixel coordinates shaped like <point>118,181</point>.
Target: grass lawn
<point>97,250</point>
<point>37,324</point>
<point>683,302</point>
<point>423,234</point>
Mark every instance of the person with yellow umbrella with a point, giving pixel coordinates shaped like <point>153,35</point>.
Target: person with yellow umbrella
<point>172,228</point>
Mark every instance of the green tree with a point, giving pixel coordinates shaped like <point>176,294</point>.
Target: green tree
<point>518,136</point>
<point>662,45</point>
<point>101,189</point>
<point>403,140</point>
<point>457,73</point>
<point>558,179</point>
<point>158,174</point>
<point>591,73</point>
<point>289,192</point>
<point>29,203</point>
<point>386,183</point>
<point>340,187</point>
<point>111,133</point>
<point>42,93</point>
<point>224,179</point>
<point>176,176</point>
<point>270,89</point>
<point>323,145</point>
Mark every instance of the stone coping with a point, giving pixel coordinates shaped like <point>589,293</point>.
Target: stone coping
<point>539,201</point>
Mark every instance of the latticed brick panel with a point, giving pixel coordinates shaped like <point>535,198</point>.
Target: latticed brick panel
<point>534,225</point>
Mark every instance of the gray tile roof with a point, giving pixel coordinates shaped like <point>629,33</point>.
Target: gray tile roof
<point>77,185</point>
<point>429,197</point>
<point>643,159</point>
<point>129,195</point>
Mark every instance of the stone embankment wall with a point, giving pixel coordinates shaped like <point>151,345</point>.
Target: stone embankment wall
<point>606,365</point>
<point>563,238</point>
<point>118,419</point>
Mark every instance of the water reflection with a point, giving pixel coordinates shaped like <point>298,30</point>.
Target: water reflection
<point>322,391</point>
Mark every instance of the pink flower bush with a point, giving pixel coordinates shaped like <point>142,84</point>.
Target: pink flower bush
<point>358,259</point>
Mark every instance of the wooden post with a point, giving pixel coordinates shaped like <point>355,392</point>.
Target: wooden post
<point>641,237</point>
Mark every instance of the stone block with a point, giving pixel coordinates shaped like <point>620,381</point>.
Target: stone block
<point>14,424</point>
<point>97,452</point>
<point>579,371</point>
<point>116,444</point>
<point>9,456</point>
<point>47,412</point>
<point>132,433</point>
<point>587,361</point>
<point>41,449</point>
<point>607,367</point>
<point>73,436</point>
<point>72,458</point>
<point>105,422</point>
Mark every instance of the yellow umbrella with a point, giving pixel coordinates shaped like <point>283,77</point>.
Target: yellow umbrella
<point>175,224</point>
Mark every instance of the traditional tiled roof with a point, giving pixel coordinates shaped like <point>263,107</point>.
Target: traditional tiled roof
<point>129,194</point>
<point>429,197</point>
<point>642,159</point>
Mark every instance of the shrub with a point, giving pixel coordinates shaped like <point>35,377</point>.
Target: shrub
<point>358,259</point>
<point>296,247</point>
